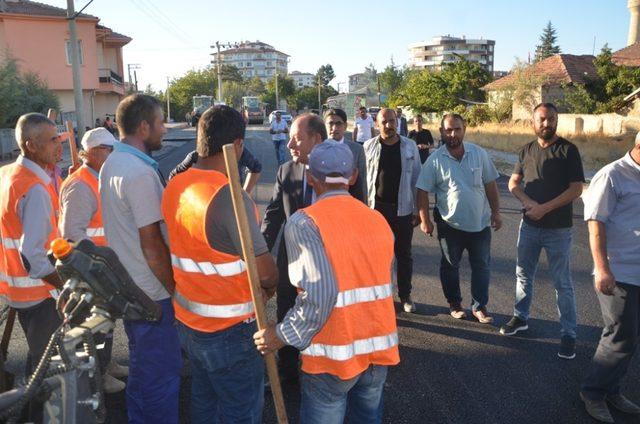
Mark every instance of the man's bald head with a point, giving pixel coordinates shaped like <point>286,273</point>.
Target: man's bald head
<point>312,124</point>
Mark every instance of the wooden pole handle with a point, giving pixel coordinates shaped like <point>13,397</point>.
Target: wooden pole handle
<point>52,114</point>
<point>73,147</point>
<point>248,253</point>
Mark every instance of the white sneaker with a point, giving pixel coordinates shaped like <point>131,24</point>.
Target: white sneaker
<point>408,305</point>
<point>110,384</point>
<point>117,370</point>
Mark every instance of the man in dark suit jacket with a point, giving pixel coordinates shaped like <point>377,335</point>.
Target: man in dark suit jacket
<point>336,122</point>
<point>403,129</point>
<point>289,195</point>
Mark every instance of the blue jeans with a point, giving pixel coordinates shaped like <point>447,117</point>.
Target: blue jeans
<point>227,374</point>
<point>155,362</point>
<point>281,153</point>
<point>326,399</point>
<point>453,243</point>
<point>557,243</point>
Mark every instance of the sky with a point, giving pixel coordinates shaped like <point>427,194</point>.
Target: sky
<point>171,37</point>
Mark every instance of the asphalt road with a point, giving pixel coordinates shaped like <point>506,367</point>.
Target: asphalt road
<point>453,371</point>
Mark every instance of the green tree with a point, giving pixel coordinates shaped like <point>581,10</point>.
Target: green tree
<point>228,73</point>
<point>255,87</point>
<point>547,46</point>
<point>286,90</point>
<point>577,99</point>
<point>525,86</point>
<point>325,74</point>
<point>22,93</point>
<point>193,83</point>
<point>428,91</point>
<point>391,79</point>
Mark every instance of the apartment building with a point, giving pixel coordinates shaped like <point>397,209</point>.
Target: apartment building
<point>303,79</point>
<point>438,51</point>
<point>255,59</point>
<point>37,36</point>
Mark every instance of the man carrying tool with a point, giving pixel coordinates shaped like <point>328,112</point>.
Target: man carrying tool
<point>212,297</point>
<point>343,320</point>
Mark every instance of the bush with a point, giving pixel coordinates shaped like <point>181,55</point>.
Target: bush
<point>477,115</point>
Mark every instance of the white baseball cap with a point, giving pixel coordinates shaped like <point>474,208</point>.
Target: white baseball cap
<point>97,137</point>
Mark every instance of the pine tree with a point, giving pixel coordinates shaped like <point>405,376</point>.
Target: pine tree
<point>548,46</point>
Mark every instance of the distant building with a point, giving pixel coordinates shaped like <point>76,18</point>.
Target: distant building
<point>37,36</point>
<point>628,56</point>
<point>438,51</point>
<point>255,59</point>
<point>357,81</point>
<point>303,79</point>
<point>499,74</point>
<point>553,74</point>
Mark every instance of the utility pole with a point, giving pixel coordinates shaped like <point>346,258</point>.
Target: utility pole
<point>277,97</point>
<point>75,68</point>
<point>168,102</point>
<point>319,97</point>
<point>219,64</point>
<point>378,79</point>
<point>133,66</point>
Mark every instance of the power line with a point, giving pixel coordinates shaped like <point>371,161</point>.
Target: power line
<point>166,18</point>
<point>144,9</point>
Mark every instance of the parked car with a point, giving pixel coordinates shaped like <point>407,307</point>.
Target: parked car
<point>373,112</point>
<point>285,115</point>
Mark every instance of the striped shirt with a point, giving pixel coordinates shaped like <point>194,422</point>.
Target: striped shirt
<point>310,271</point>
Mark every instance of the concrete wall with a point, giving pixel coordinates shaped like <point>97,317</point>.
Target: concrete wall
<point>608,124</point>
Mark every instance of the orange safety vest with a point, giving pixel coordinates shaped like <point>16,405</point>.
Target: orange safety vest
<point>212,287</point>
<point>95,229</point>
<point>15,284</point>
<point>361,329</point>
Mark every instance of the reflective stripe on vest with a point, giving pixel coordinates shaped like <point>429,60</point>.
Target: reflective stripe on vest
<point>358,347</point>
<point>21,282</point>
<point>213,311</point>
<point>363,294</point>
<point>207,268</point>
<point>95,232</point>
<point>10,243</point>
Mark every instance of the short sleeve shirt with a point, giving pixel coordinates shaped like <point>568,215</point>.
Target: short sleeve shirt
<point>613,198</point>
<point>279,126</point>
<point>547,173</point>
<point>459,186</point>
<point>131,192</point>
<point>364,127</point>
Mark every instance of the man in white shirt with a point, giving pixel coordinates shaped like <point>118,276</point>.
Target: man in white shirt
<point>279,130</point>
<point>363,128</point>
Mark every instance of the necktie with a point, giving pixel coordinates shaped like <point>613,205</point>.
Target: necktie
<point>308,195</point>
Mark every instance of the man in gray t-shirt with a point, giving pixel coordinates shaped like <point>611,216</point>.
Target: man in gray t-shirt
<point>130,193</point>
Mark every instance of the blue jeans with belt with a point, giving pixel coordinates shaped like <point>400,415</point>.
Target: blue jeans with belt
<point>557,243</point>
<point>327,399</point>
<point>281,154</point>
<point>155,362</point>
<point>227,374</point>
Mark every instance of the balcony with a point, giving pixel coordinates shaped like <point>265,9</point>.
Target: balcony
<point>110,81</point>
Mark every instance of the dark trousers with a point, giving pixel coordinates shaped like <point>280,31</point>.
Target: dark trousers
<point>155,362</point>
<point>402,227</point>
<point>286,298</point>
<point>38,323</point>
<point>621,316</point>
<point>453,243</point>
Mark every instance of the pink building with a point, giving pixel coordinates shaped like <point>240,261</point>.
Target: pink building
<point>37,35</point>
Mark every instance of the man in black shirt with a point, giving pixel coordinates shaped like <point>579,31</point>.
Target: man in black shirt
<point>423,139</point>
<point>551,170</point>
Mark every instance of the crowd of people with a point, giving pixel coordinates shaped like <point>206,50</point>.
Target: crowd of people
<point>342,212</point>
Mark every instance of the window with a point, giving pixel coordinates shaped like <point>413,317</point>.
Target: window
<point>249,64</point>
<point>68,52</point>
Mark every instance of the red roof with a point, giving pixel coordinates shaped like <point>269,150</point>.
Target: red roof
<point>629,56</point>
<point>32,8</point>
<point>557,69</point>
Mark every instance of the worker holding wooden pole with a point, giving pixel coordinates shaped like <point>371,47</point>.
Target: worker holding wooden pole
<point>221,276</point>
<point>343,321</point>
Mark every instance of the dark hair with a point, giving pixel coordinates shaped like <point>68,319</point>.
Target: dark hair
<point>546,106</point>
<point>452,116</point>
<point>362,107</point>
<point>314,123</point>
<point>336,112</point>
<point>135,109</point>
<point>219,125</point>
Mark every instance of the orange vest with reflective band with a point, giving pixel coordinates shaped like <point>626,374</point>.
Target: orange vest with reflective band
<point>212,287</point>
<point>15,284</point>
<point>95,229</point>
<point>361,330</point>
